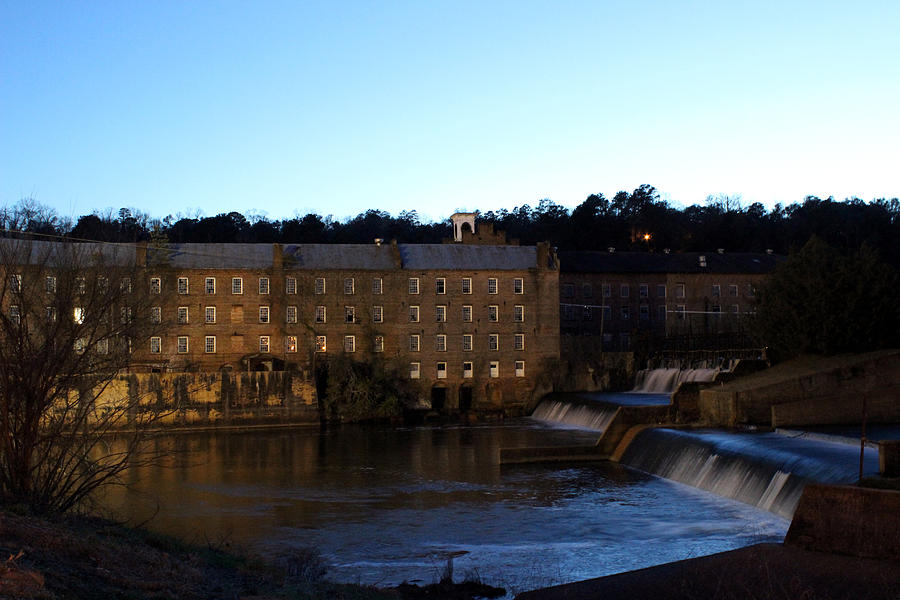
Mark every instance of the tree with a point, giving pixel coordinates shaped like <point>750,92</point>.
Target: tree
<point>70,314</point>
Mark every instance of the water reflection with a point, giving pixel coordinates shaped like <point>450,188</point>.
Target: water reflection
<point>388,504</point>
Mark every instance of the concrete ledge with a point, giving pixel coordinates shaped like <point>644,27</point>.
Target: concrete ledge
<point>847,520</point>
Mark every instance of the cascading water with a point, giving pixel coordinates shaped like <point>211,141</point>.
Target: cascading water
<point>575,412</point>
<point>666,381</point>
<point>766,470</point>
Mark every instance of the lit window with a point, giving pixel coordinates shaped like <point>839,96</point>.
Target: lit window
<point>495,369</point>
<point>440,285</point>
<point>182,285</point>
<point>290,285</point>
<point>520,368</point>
<point>210,285</point>
<point>414,343</point>
<point>466,285</point>
<point>263,343</point>
<point>492,285</point>
<point>467,370</point>
<point>644,290</point>
<point>320,314</point>
<point>519,343</point>
<point>348,285</point>
<point>624,290</point>
<point>320,285</point>
<point>519,313</point>
<point>182,315</point>
<point>263,285</point>
<point>493,313</point>
<point>440,313</point>
<point>50,285</point>
<point>320,343</point>
<point>440,343</point>
<point>155,345</point>
<point>210,344</point>
<point>413,285</point>
<point>290,343</point>
<point>182,345</point>
<point>493,341</point>
<point>291,315</point>
<point>349,314</point>
<point>263,314</point>
<point>377,314</point>
<point>442,370</point>
<point>349,343</point>
<point>210,316</point>
<point>376,286</point>
<point>413,314</point>
<point>414,370</point>
<point>467,313</point>
<point>467,342</point>
<point>378,343</point>
<point>155,285</point>
<point>237,286</point>
<point>519,285</point>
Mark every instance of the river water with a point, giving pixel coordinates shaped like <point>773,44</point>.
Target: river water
<point>386,505</point>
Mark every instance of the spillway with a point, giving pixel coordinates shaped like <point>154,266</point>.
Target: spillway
<point>666,381</point>
<point>576,412</point>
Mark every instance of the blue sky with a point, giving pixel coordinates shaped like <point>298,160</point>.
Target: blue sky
<point>283,108</point>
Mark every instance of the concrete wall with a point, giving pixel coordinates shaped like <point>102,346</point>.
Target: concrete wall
<point>847,520</point>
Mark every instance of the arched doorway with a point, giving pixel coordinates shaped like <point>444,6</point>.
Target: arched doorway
<point>465,398</point>
<point>438,398</point>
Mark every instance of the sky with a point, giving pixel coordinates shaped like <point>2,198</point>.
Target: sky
<point>278,109</point>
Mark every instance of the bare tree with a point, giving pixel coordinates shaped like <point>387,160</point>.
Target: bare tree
<point>70,316</point>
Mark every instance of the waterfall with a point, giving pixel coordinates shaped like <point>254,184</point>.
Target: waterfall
<point>575,412</point>
<point>759,469</point>
<point>666,381</point>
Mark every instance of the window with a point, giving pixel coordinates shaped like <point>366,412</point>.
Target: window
<point>378,343</point>
<point>377,314</point>
<point>644,290</point>
<point>413,314</point>
<point>182,315</point>
<point>125,314</point>
<point>466,285</point>
<point>467,313</point>
<point>15,315</point>
<point>442,370</point>
<point>467,370</point>
<point>155,314</point>
<point>414,343</point>
<point>263,285</point>
<point>679,290</point>
<point>606,313</point>
<point>50,285</point>
<point>679,312</point>
<point>750,291</point>
<point>320,285</point>
<point>80,343</point>
<point>182,344</point>
<point>644,312</point>
<point>182,285</point>
<point>440,313</point>
<point>291,314</point>
<point>626,313</point>
<point>210,285</point>
<point>413,285</point>
<point>237,286</point>
<point>735,309</point>
<point>290,285</point>
<point>716,290</point>
<point>467,342</point>
<point>568,290</point>
<point>733,291</point>
<point>519,313</point>
<point>492,285</point>
<point>50,313</point>
<point>349,343</point>
<point>587,290</point>
<point>661,290</point>
<point>716,309</point>
<point>376,286</point>
<point>494,341</point>
<point>520,368</point>
<point>290,343</point>
<point>320,314</point>
<point>587,313</point>
<point>414,370</point>
<point>519,342</point>
<point>440,285</point>
<point>320,343</point>
<point>210,314</point>
<point>349,285</point>
<point>624,290</point>
<point>661,313</point>
<point>440,343</point>
<point>518,285</point>
<point>263,343</point>
<point>494,369</point>
<point>155,285</point>
<point>349,314</point>
<point>263,314</point>
<point>103,346</point>
<point>568,312</point>
<point>493,313</point>
<point>210,344</point>
<point>155,345</point>
<point>80,285</point>
<point>606,290</point>
<point>15,283</point>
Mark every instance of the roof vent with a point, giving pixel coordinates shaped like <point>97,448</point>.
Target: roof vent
<point>378,241</point>
<point>702,260</point>
<point>611,249</point>
<point>720,250</point>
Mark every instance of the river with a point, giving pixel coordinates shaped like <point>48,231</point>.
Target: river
<point>388,504</point>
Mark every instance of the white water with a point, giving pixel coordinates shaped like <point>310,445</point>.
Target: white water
<point>596,416</point>
<point>666,381</point>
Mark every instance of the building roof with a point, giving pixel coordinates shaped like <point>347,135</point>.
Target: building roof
<point>682,262</point>
<point>361,257</point>
<point>217,256</point>
<point>467,257</point>
<point>60,254</point>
